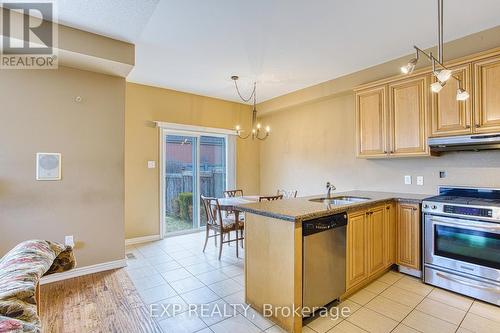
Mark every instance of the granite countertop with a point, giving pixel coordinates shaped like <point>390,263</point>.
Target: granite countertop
<point>301,209</point>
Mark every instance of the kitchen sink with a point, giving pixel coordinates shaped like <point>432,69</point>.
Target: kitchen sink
<point>341,200</point>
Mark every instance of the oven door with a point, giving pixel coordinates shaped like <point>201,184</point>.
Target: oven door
<point>466,246</point>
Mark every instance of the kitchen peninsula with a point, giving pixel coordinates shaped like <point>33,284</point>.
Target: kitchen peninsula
<point>382,230</point>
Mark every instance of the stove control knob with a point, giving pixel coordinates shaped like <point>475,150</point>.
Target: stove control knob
<point>426,206</point>
<point>434,207</point>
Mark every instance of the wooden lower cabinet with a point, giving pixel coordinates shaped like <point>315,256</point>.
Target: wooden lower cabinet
<point>376,239</point>
<point>408,235</point>
<point>357,265</point>
<point>370,243</point>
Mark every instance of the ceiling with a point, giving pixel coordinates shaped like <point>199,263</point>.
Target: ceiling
<point>196,45</point>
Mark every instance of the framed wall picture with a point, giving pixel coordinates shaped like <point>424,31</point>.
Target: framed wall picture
<point>48,166</point>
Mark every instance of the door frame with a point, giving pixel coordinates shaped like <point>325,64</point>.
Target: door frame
<point>194,131</point>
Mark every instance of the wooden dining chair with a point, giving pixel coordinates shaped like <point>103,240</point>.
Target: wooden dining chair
<point>271,198</point>
<point>287,194</point>
<point>220,226</point>
<point>233,193</point>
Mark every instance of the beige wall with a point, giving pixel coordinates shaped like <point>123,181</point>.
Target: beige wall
<point>313,139</point>
<point>315,143</point>
<point>145,104</point>
<point>38,114</point>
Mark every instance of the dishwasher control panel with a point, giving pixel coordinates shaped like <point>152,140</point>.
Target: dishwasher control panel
<point>310,227</point>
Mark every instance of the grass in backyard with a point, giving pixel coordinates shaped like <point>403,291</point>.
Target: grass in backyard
<point>174,224</point>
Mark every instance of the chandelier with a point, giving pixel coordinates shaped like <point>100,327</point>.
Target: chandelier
<point>439,70</point>
<point>256,132</point>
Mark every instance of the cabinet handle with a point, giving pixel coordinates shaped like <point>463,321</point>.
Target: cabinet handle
<point>385,151</point>
<point>388,207</point>
<point>414,208</point>
<point>477,125</point>
<point>467,126</point>
<point>392,152</point>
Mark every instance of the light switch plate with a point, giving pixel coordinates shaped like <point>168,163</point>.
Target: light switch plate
<point>69,241</point>
<point>420,180</point>
<point>151,164</point>
<point>407,180</point>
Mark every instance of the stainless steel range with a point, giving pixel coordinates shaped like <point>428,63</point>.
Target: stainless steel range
<point>462,241</point>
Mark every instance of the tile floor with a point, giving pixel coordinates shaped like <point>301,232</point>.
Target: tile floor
<point>174,272</point>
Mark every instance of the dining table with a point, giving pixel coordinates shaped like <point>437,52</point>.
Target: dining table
<point>231,204</point>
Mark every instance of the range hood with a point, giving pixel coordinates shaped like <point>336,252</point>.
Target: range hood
<point>465,143</point>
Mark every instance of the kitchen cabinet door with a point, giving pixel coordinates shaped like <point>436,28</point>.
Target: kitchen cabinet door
<point>408,107</point>
<point>408,235</point>
<point>487,95</point>
<point>390,235</point>
<point>356,249</point>
<point>449,116</point>
<point>376,239</point>
<point>371,122</point>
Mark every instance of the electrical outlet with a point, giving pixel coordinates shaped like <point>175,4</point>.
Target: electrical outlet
<point>420,180</point>
<point>69,241</point>
<point>151,164</point>
<point>407,180</point>
<point>442,174</point>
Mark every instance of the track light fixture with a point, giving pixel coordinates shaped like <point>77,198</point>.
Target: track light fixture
<point>444,74</point>
<point>408,69</point>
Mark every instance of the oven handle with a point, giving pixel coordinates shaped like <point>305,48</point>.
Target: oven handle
<point>466,225</point>
<point>468,284</point>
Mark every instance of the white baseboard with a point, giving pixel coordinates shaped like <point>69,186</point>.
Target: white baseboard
<point>79,271</point>
<point>144,239</point>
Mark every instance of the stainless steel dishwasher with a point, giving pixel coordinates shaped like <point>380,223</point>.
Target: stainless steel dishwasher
<point>324,260</point>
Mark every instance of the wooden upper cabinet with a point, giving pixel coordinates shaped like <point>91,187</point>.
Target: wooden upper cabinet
<point>371,122</point>
<point>449,116</point>
<point>408,105</point>
<point>487,95</point>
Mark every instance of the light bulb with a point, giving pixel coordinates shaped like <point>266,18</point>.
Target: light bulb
<point>238,127</point>
<point>253,131</point>
<point>437,86</point>
<point>258,126</point>
<point>462,94</point>
<point>268,129</point>
<point>408,69</point>
<point>444,75</point>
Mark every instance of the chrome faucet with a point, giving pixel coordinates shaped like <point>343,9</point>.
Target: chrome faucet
<point>330,187</point>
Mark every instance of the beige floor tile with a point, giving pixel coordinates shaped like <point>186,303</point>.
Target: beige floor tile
<point>176,274</point>
<point>225,288</point>
<point>236,324</point>
<point>486,310</point>
<point>372,321</point>
<point>414,285</point>
<point>463,330</point>
<point>390,277</point>
<point>346,327</point>
<point>480,324</point>
<point>377,287</point>
<point>172,306</point>
<point>428,324</point>
<point>214,312</point>
<point>362,297</point>
<point>306,329</point>
<point>257,319</point>
<point>183,323</point>
<point>200,296</point>
<point>389,308</point>
<point>149,282</point>
<point>402,296</point>
<point>442,311</point>
<point>347,308</point>
<point>404,329</point>
<point>450,298</point>
<point>187,284</point>
<point>322,324</point>
<point>156,294</point>
<point>275,329</point>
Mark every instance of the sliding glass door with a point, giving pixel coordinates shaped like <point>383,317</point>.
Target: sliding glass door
<point>194,164</point>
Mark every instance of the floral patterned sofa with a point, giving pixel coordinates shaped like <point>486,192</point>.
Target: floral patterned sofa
<point>20,272</point>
